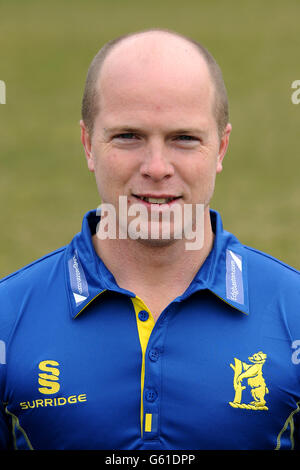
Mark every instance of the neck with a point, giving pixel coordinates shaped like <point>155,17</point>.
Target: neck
<point>135,263</point>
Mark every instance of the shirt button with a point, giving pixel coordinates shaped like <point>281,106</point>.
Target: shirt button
<point>151,395</point>
<point>143,315</point>
<point>154,355</point>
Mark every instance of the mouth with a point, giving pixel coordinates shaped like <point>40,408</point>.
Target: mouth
<point>160,200</point>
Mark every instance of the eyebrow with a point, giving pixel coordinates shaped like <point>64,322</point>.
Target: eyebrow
<point>124,129</point>
<point>120,129</point>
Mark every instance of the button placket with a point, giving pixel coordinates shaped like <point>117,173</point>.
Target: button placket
<point>152,386</point>
<point>151,337</point>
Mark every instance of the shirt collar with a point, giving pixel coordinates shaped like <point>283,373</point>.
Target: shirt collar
<point>224,271</point>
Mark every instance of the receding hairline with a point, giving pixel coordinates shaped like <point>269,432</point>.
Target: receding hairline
<point>90,101</point>
<point>106,51</point>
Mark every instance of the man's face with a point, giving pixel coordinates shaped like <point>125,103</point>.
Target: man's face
<point>155,135</point>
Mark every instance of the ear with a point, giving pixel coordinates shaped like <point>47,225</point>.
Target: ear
<point>86,142</point>
<point>223,147</point>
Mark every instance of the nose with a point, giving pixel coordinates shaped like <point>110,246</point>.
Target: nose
<point>156,164</point>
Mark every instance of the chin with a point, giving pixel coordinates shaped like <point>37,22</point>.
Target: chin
<point>156,243</point>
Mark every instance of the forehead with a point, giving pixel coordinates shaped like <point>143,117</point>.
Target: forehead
<point>155,72</point>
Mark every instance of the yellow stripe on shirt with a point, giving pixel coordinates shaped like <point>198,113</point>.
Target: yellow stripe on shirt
<point>144,330</point>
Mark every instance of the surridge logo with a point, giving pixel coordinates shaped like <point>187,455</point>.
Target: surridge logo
<point>49,377</point>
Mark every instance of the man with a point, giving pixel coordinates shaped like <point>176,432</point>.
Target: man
<point>136,342</point>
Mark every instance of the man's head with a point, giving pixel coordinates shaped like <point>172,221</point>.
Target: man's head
<point>151,130</point>
<point>91,101</point>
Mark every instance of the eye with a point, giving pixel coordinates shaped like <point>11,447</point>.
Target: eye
<point>125,136</point>
<point>186,141</point>
<point>187,138</point>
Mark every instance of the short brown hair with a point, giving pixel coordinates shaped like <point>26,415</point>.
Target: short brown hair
<point>90,106</point>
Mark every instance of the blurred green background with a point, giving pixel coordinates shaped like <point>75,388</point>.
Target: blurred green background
<point>46,48</point>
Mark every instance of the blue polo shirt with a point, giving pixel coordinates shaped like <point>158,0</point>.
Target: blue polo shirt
<point>83,364</point>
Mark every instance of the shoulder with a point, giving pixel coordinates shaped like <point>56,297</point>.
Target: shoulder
<point>271,281</point>
<point>30,281</point>
<point>266,264</point>
<point>31,271</point>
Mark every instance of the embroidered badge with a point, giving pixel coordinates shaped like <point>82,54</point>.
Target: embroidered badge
<point>251,374</point>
